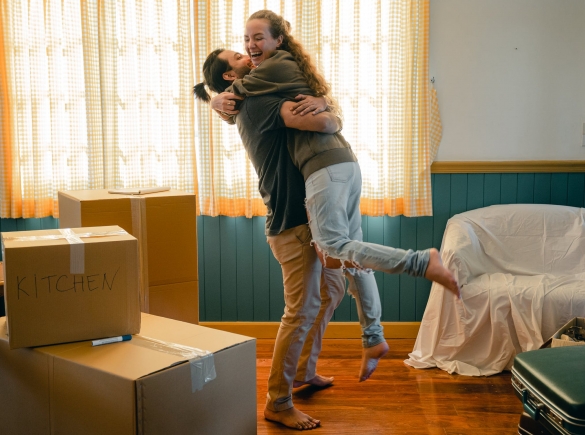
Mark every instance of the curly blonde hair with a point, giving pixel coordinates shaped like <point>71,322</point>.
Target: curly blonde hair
<point>279,26</point>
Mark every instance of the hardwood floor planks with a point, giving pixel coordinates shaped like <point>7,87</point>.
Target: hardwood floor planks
<point>397,399</point>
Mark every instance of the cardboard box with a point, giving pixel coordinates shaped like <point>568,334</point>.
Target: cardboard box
<point>556,338</point>
<point>165,224</point>
<point>141,386</point>
<point>70,285</point>
<point>2,310</point>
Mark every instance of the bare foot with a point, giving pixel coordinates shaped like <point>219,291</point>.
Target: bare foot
<point>438,273</point>
<point>292,418</point>
<point>317,381</point>
<point>370,358</point>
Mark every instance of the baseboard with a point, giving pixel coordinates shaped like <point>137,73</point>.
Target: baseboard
<point>334,329</point>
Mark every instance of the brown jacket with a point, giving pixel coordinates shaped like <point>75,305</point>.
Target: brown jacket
<point>310,151</point>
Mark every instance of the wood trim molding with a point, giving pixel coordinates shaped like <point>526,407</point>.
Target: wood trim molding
<point>334,329</point>
<point>509,166</point>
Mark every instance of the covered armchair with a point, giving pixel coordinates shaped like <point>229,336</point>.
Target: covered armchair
<point>521,269</point>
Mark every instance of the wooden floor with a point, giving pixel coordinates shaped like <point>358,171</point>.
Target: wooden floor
<point>397,399</point>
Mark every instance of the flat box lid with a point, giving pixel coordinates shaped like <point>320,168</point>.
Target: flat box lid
<point>556,374</point>
<point>141,356</point>
<point>101,194</point>
<point>27,239</point>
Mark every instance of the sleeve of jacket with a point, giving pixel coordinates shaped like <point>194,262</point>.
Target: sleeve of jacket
<point>279,74</point>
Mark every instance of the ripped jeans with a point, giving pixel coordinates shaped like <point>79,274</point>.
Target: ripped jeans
<point>333,199</point>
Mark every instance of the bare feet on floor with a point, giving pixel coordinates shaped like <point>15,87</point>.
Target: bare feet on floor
<point>292,418</point>
<point>317,381</point>
<point>370,358</point>
<point>438,273</point>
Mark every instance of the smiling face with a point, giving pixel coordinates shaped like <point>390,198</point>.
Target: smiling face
<point>240,64</point>
<point>260,45</point>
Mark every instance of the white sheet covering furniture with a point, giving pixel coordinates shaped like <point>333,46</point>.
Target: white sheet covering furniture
<point>521,269</point>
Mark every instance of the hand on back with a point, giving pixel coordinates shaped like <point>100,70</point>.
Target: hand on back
<point>226,103</point>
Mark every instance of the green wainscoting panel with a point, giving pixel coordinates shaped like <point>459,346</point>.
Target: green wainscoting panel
<point>458,194</point>
<point>228,262</point>
<point>509,189</point>
<point>474,191</point>
<point>576,190</point>
<point>542,188</point>
<point>525,189</point>
<point>240,280</point>
<point>403,298</point>
<point>244,269</point>
<point>210,297</point>
<point>261,267</point>
<point>559,184</point>
<point>391,288</point>
<point>491,189</point>
<point>201,265</point>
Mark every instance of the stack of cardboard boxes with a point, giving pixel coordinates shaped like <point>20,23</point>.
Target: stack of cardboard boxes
<point>165,225</point>
<point>64,288</point>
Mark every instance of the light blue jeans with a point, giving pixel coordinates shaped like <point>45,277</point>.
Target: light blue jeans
<point>333,199</point>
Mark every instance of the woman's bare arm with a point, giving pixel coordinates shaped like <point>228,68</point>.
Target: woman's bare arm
<point>308,104</point>
<point>324,122</point>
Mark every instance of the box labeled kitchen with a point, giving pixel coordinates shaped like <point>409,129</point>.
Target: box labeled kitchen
<point>70,285</point>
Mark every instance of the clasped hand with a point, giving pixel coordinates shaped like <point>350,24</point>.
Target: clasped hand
<point>226,103</point>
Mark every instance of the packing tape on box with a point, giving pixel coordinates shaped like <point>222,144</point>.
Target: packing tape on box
<point>77,250</point>
<point>201,361</point>
<point>138,210</point>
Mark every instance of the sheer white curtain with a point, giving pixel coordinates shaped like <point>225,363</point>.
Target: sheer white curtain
<point>94,94</point>
<point>375,55</point>
<point>97,94</point>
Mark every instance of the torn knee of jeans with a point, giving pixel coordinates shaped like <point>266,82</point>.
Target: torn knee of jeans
<point>324,255</point>
<point>358,270</point>
<point>353,267</point>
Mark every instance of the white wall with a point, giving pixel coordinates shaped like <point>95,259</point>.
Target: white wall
<point>510,78</point>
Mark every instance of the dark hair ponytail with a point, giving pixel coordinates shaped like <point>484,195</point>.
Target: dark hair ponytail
<point>213,70</point>
<point>201,93</point>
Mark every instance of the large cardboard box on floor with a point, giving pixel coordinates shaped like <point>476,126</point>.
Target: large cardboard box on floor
<point>159,382</point>
<point>165,223</point>
<point>70,285</point>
